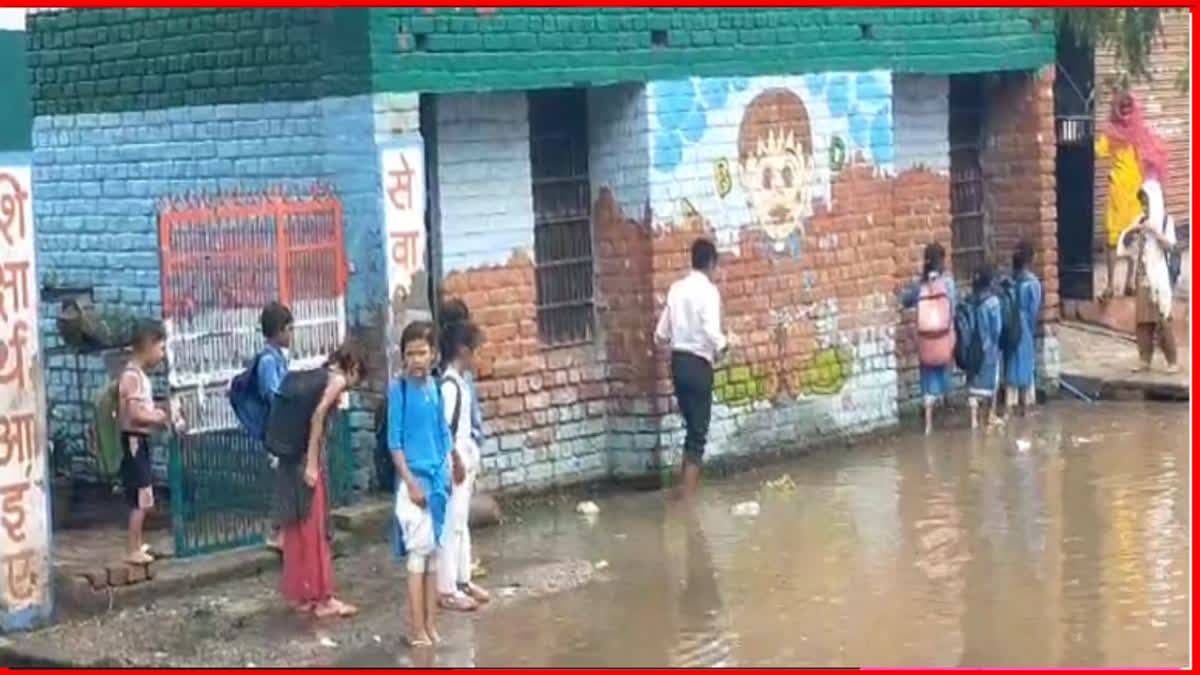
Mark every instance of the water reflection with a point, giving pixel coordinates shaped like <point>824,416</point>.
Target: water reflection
<point>1060,541</point>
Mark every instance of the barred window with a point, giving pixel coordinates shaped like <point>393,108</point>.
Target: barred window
<point>969,245</point>
<point>558,154</point>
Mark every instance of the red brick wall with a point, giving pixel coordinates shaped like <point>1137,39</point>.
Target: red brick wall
<point>1168,110</point>
<point>1019,179</point>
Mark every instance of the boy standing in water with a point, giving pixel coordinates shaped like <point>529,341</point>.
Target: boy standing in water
<point>138,418</point>
<point>989,321</point>
<point>691,325</point>
<point>459,341</point>
<point>419,440</point>
<point>1020,364</point>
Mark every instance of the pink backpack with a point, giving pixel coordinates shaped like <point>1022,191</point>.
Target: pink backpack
<point>935,326</point>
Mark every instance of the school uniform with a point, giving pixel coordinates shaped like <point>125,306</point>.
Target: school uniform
<point>1020,364</point>
<point>691,324</point>
<point>454,558</point>
<point>989,321</point>
<point>417,429</point>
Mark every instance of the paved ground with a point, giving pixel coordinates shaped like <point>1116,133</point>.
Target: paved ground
<point>1105,359</point>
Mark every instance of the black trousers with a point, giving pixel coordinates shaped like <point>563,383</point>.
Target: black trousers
<point>693,379</point>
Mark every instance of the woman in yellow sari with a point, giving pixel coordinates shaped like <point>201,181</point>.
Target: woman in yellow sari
<point>1137,155</point>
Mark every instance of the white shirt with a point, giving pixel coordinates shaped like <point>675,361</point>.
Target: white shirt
<point>461,439</point>
<point>691,321</point>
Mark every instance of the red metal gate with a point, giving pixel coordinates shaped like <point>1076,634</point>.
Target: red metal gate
<point>222,260</point>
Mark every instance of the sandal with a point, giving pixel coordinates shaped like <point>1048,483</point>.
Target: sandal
<point>334,607</point>
<point>417,643</point>
<point>476,593</point>
<point>457,602</point>
<point>139,558</point>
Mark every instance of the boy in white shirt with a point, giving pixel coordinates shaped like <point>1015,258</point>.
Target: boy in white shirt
<point>691,326</point>
<point>459,340</point>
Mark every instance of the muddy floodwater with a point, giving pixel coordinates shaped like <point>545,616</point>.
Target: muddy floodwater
<point>1061,541</point>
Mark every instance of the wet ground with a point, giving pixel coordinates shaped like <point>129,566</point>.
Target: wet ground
<point>1061,541</point>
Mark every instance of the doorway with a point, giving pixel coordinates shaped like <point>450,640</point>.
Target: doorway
<point>1075,169</point>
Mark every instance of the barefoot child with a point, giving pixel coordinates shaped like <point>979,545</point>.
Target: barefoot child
<point>419,440</point>
<point>138,418</point>
<point>934,296</point>
<point>459,341</point>
<point>989,320</point>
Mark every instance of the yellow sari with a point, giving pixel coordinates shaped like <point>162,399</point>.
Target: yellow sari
<point>1124,181</point>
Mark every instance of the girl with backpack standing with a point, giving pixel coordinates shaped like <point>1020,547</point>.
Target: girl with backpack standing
<point>1019,364</point>
<point>460,340</point>
<point>988,323</point>
<point>934,297</point>
<point>296,432</point>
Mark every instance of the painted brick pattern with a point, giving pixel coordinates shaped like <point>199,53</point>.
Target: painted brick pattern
<point>104,60</point>
<point>1168,111</point>
<point>444,49</point>
<point>15,107</point>
<point>99,178</point>
<point>484,184</point>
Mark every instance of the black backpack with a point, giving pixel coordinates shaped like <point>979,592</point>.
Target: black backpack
<point>968,348</point>
<point>1012,328</point>
<point>290,417</point>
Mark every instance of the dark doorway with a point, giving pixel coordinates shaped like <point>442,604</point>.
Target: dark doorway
<point>967,223</point>
<point>1074,112</point>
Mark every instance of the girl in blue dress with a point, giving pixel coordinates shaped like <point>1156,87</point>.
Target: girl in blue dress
<point>935,381</point>
<point>1019,366</point>
<point>419,440</point>
<point>989,321</point>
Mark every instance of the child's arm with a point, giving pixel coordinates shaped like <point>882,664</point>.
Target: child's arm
<point>135,402</point>
<point>452,396</point>
<point>334,389</point>
<point>270,375</point>
<point>662,332</point>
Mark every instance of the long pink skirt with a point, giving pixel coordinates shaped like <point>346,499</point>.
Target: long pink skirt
<point>307,558</point>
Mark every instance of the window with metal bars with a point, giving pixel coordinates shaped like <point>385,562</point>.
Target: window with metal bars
<point>562,227</point>
<point>969,245</point>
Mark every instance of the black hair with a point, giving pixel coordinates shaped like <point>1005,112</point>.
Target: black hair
<point>1022,255</point>
<point>418,330</point>
<point>457,336</point>
<point>453,311</point>
<point>1143,197</point>
<point>704,254</point>
<point>145,333</point>
<point>349,357</point>
<point>983,278</point>
<point>275,319</point>
<point>935,258</point>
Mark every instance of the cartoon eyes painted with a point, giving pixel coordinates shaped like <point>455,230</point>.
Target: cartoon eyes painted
<point>787,175</point>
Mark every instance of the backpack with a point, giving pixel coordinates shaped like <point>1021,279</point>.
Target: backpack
<point>248,403</point>
<point>1012,328</point>
<point>290,418</point>
<point>935,337</point>
<point>454,416</point>
<point>968,353</point>
<point>108,432</point>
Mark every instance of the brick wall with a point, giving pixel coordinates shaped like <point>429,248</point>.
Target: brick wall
<point>478,49</point>
<point>1019,184</point>
<point>1168,111</point>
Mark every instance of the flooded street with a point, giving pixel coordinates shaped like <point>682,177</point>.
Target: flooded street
<point>1062,541</point>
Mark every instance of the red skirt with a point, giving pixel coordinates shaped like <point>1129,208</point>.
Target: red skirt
<point>307,557</point>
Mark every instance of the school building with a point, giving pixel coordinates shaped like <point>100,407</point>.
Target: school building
<point>551,167</point>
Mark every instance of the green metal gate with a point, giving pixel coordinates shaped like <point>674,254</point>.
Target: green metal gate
<point>221,485</point>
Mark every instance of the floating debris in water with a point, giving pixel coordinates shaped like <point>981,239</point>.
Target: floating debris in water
<point>328,642</point>
<point>478,569</point>
<point>1083,440</point>
<point>1023,445</point>
<point>587,508</point>
<point>783,483</point>
<point>749,509</point>
<point>601,565</point>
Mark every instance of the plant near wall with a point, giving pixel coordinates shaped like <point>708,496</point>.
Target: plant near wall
<point>1131,32</point>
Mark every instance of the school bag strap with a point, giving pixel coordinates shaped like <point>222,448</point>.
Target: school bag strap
<point>454,416</point>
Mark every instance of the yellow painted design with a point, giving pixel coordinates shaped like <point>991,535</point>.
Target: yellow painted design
<point>1124,181</point>
<point>738,385</point>
<point>723,177</point>
<point>827,373</point>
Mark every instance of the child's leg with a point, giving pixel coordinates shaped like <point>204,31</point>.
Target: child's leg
<point>417,633</point>
<point>1011,398</point>
<point>929,401</point>
<point>973,405</point>
<point>137,519</point>
<point>431,601</point>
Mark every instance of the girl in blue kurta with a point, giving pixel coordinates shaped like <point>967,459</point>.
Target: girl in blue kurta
<point>935,381</point>
<point>989,321</point>
<point>1019,366</point>
<point>419,440</point>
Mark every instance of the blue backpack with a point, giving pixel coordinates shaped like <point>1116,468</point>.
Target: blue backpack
<point>248,403</point>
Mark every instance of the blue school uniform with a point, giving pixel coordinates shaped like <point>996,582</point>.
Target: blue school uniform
<point>417,426</point>
<point>1019,369</point>
<point>935,381</point>
<point>989,321</point>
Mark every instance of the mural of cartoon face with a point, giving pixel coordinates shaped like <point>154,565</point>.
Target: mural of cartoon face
<point>775,150</point>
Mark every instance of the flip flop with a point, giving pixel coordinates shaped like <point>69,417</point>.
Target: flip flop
<point>419,643</point>
<point>457,603</point>
<point>139,558</point>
